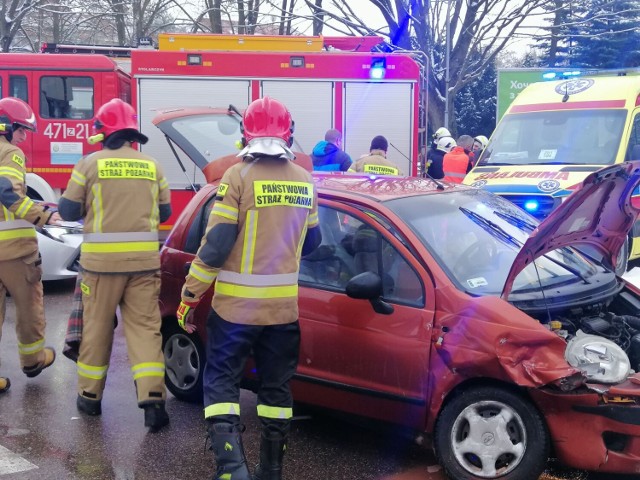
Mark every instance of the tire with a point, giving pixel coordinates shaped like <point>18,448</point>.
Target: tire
<point>623,259</point>
<point>184,359</point>
<point>491,432</point>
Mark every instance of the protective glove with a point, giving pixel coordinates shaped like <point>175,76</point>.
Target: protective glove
<point>185,316</point>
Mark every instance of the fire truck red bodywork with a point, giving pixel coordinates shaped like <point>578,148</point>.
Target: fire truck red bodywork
<point>65,92</point>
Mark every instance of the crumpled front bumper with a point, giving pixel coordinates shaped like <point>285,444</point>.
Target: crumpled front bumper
<point>594,431</point>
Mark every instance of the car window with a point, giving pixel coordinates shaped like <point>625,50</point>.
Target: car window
<point>198,227</point>
<point>350,247</point>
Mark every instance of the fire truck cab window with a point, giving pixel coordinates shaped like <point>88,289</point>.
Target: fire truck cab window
<point>66,97</point>
<point>18,87</point>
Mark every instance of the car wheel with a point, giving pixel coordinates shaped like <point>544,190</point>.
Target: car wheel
<point>490,432</point>
<point>623,259</point>
<point>184,360</point>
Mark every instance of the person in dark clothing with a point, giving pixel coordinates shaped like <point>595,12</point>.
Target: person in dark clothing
<point>328,155</point>
<point>436,154</point>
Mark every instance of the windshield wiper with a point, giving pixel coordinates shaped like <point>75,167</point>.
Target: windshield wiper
<point>498,232</point>
<point>491,227</point>
<point>515,221</point>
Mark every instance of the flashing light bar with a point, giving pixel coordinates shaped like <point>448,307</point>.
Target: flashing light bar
<point>531,206</point>
<point>378,68</point>
<point>554,75</point>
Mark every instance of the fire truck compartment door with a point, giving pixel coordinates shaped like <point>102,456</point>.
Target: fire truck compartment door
<point>156,94</point>
<point>386,109</point>
<point>311,106</point>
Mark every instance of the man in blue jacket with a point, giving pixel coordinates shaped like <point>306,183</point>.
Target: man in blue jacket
<point>328,155</point>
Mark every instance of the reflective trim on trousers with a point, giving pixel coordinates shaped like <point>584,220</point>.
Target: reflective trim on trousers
<point>31,348</point>
<point>278,413</point>
<point>92,372</point>
<point>148,369</point>
<point>222,409</point>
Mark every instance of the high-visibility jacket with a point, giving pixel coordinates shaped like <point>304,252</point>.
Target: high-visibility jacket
<point>120,192</point>
<point>376,163</point>
<point>18,213</point>
<point>455,165</point>
<point>269,204</point>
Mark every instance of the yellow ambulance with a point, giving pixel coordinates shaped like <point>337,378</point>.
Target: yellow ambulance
<point>556,133</point>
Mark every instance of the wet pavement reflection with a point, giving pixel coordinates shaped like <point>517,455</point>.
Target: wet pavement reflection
<point>40,424</point>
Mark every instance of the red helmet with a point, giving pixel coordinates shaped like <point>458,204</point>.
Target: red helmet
<point>114,116</point>
<point>267,117</point>
<point>15,113</point>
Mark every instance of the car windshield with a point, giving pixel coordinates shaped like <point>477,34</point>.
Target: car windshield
<point>571,137</point>
<point>212,135</point>
<point>476,236</point>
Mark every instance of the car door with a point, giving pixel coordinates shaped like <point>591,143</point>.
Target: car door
<point>352,358</point>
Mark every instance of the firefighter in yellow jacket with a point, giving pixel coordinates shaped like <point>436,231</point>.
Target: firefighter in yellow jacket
<point>265,217</point>
<point>20,270</point>
<point>376,162</point>
<point>123,196</point>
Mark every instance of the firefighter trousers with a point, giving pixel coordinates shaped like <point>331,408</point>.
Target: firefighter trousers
<point>137,296</point>
<point>275,350</point>
<point>21,277</point>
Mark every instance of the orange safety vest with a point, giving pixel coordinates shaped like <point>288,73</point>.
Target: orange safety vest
<point>455,165</point>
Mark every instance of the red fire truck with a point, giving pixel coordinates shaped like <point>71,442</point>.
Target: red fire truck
<point>326,82</point>
<point>64,92</point>
<point>363,94</point>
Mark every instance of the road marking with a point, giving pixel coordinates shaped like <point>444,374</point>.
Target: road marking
<point>13,463</point>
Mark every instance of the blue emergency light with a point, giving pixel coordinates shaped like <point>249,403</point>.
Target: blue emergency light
<point>378,68</point>
<point>554,75</point>
<point>531,206</point>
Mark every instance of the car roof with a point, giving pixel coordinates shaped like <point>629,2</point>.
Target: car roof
<point>380,188</point>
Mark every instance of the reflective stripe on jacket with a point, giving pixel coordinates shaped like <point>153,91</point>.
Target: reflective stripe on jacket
<point>120,192</point>
<point>455,165</point>
<point>376,163</point>
<point>273,202</point>
<point>18,213</point>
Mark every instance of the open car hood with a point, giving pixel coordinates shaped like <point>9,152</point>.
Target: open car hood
<point>212,152</point>
<point>598,214</point>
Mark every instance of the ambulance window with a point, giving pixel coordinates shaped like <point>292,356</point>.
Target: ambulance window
<point>633,149</point>
<point>18,87</point>
<point>66,97</point>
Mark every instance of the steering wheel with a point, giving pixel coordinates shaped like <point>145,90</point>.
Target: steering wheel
<point>475,258</point>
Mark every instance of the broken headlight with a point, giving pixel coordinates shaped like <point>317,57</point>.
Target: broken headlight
<point>600,360</point>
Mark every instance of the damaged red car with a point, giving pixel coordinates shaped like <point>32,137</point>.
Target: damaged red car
<point>448,310</point>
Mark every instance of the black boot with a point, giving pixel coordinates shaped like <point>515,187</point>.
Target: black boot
<point>226,441</point>
<point>155,416</point>
<point>89,406</point>
<point>272,448</point>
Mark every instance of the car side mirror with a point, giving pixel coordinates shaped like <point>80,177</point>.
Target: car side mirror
<point>368,286</point>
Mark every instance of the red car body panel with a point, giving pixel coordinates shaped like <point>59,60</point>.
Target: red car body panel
<point>599,214</point>
<point>402,368</point>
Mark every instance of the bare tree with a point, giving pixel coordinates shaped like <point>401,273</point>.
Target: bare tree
<point>12,13</point>
<point>478,31</point>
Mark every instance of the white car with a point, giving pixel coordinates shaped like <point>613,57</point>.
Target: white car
<point>60,249</point>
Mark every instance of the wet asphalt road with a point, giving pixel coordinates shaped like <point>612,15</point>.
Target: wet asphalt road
<point>39,423</point>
